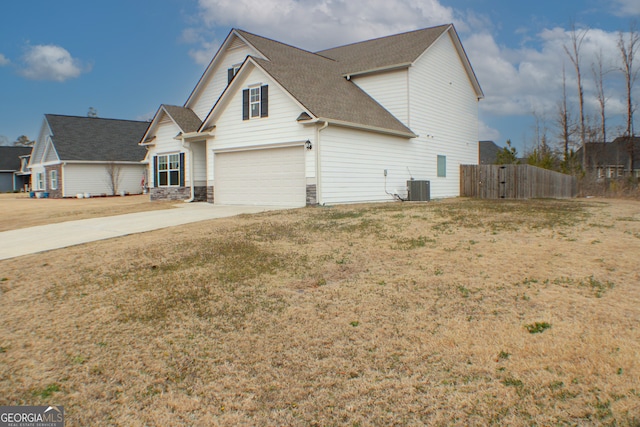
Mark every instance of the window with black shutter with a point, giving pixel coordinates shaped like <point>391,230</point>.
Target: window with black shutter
<point>231,72</point>
<point>255,102</point>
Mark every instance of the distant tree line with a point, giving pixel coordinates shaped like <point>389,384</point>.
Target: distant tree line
<point>21,141</point>
<point>574,128</point>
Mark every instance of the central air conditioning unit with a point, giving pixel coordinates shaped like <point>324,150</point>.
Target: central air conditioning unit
<point>418,191</point>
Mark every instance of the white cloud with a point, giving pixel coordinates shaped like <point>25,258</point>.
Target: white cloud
<point>517,81</point>
<point>4,60</point>
<point>527,80</point>
<point>50,62</point>
<point>487,133</point>
<point>314,25</point>
<point>627,7</point>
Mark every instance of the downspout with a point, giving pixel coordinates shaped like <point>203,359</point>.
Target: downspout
<point>318,164</point>
<point>193,191</point>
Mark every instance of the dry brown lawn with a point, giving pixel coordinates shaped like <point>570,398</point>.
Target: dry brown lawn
<point>17,210</point>
<point>459,312</point>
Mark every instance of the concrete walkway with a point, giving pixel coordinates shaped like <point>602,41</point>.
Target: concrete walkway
<point>32,240</point>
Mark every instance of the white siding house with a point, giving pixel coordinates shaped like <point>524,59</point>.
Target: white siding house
<point>272,124</point>
<point>86,155</point>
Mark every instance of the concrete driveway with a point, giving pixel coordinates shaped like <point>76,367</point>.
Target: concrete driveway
<point>32,240</point>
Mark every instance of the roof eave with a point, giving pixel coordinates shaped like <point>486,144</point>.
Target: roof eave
<point>465,60</point>
<point>360,126</point>
<point>98,162</point>
<point>384,69</point>
<point>211,65</point>
<point>235,82</point>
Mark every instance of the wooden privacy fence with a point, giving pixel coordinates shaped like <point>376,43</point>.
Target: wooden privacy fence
<point>515,182</point>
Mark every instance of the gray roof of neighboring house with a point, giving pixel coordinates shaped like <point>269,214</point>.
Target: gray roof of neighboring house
<point>488,152</point>
<point>317,83</point>
<point>97,139</point>
<point>185,118</point>
<point>384,52</point>
<point>614,153</point>
<point>10,157</point>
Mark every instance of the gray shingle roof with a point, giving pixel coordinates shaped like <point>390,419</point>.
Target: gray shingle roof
<point>384,52</point>
<point>488,152</point>
<point>614,153</point>
<point>317,83</point>
<point>185,118</point>
<point>97,139</point>
<point>10,157</point>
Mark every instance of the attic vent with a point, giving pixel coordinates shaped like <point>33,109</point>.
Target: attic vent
<point>236,43</point>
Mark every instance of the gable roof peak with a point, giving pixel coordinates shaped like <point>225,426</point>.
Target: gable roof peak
<point>440,28</point>
<point>387,52</point>
<point>184,117</point>
<point>269,47</point>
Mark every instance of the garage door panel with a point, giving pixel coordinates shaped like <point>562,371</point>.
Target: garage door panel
<point>261,177</point>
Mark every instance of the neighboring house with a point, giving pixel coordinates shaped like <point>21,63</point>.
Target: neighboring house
<point>611,159</point>
<point>87,155</point>
<point>488,152</point>
<point>272,124</point>
<point>13,177</point>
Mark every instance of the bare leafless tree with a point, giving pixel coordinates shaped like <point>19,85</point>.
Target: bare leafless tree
<point>564,121</point>
<point>599,72</point>
<point>573,51</point>
<point>114,172</point>
<point>628,45</point>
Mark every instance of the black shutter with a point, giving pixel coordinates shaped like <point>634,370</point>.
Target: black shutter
<point>181,169</point>
<point>230,75</point>
<point>264,101</point>
<point>245,104</point>
<point>155,171</point>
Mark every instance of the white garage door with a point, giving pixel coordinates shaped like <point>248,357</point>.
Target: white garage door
<point>272,176</point>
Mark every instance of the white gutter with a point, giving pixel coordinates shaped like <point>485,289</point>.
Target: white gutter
<point>91,162</point>
<point>358,126</point>
<point>318,164</point>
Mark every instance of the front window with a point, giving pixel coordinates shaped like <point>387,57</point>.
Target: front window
<point>40,180</point>
<point>53,180</point>
<point>169,170</point>
<point>254,101</point>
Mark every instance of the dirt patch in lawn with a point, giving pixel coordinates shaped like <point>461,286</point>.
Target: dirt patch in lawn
<point>19,211</point>
<point>459,312</point>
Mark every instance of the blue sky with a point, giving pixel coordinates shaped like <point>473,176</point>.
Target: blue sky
<point>124,58</point>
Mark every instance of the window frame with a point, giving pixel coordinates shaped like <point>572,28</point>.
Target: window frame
<point>255,102</point>
<point>40,181</point>
<point>169,168</point>
<point>441,166</point>
<point>232,71</point>
<point>53,179</point>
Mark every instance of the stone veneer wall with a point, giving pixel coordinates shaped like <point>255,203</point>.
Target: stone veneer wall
<point>178,193</point>
<point>200,194</point>
<point>55,194</point>
<point>312,199</point>
<point>207,194</point>
<point>169,193</point>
